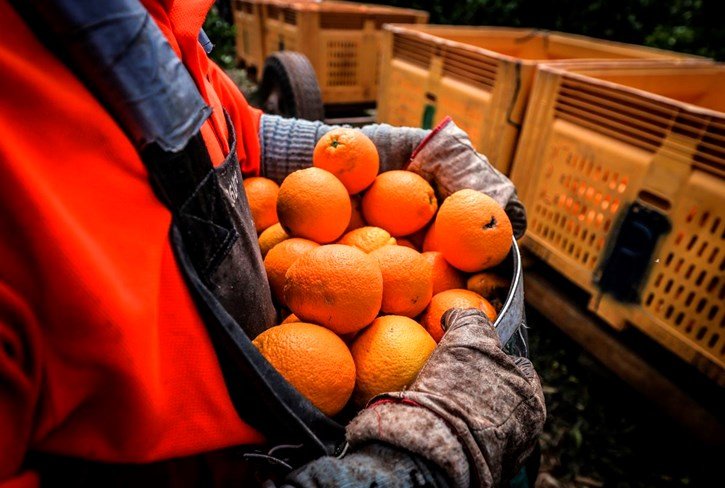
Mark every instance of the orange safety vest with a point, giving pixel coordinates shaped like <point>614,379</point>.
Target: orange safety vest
<point>104,356</point>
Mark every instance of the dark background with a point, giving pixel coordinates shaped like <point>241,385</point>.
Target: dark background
<point>691,26</point>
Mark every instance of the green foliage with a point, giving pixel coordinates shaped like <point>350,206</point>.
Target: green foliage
<point>691,26</point>
<point>222,35</point>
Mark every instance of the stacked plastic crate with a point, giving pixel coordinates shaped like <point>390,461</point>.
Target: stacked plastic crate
<point>480,76</point>
<point>622,170</point>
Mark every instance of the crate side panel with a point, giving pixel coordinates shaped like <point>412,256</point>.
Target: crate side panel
<point>405,94</point>
<point>685,293</point>
<point>586,181</point>
<point>467,106</point>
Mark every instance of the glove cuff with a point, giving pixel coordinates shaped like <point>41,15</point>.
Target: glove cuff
<point>395,145</point>
<point>414,429</point>
<point>287,144</point>
<point>447,159</point>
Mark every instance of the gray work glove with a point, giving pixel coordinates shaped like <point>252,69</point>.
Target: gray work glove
<point>447,159</point>
<point>473,412</point>
<point>444,156</point>
<point>288,144</point>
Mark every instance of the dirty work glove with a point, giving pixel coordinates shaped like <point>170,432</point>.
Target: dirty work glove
<point>447,159</point>
<point>444,156</point>
<point>371,465</point>
<point>473,412</point>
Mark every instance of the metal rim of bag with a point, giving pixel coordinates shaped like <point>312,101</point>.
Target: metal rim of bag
<point>512,316</point>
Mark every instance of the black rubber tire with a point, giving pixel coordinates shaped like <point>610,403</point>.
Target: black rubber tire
<point>289,87</point>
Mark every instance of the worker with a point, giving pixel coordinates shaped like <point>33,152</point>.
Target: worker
<point>116,276</point>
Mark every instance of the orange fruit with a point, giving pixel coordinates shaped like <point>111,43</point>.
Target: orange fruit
<point>337,286</point>
<point>367,238</point>
<point>280,258</point>
<point>407,283</point>
<point>313,204</point>
<point>388,356</point>
<point>270,237</point>
<point>473,231</point>
<point>350,155</point>
<point>313,360</point>
<point>262,197</point>
<point>488,284</point>
<point>445,276</point>
<point>356,218</point>
<point>400,202</point>
<point>416,238</point>
<point>456,298</point>
<point>406,243</point>
<point>291,319</point>
<point>430,243</point>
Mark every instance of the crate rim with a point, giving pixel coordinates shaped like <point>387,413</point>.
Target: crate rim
<point>569,70</point>
<point>348,7</point>
<point>425,32</point>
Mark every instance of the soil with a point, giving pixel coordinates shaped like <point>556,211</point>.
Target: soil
<point>600,432</point>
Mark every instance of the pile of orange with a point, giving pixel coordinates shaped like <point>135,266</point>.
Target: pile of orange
<point>364,266</point>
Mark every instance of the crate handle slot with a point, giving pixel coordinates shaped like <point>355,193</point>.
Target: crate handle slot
<point>654,200</point>
<point>515,97</point>
<point>629,256</point>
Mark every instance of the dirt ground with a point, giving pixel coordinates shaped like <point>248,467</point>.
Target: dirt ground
<point>600,432</point>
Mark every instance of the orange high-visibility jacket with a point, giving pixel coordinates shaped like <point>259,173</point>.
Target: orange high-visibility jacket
<point>102,353</point>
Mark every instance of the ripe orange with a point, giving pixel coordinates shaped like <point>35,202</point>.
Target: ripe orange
<point>291,319</point>
<point>400,202</point>
<point>473,231</point>
<point>350,155</point>
<point>367,238</point>
<point>445,300</point>
<point>356,218</point>
<point>407,283</point>
<point>313,360</point>
<point>280,258</point>
<point>262,196</point>
<point>313,204</point>
<point>337,286</point>
<point>430,243</point>
<point>388,356</point>
<point>488,285</point>
<point>445,276</point>
<point>271,236</point>
<point>406,243</point>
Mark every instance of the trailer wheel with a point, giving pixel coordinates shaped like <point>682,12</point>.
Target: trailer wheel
<point>289,87</point>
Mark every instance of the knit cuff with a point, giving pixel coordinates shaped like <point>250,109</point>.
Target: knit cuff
<point>395,144</point>
<point>287,144</point>
<point>415,429</point>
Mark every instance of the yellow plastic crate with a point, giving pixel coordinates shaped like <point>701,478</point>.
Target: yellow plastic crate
<point>599,137</point>
<point>480,76</point>
<point>249,37</point>
<point>249,19</point>
<point>342,41</point>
